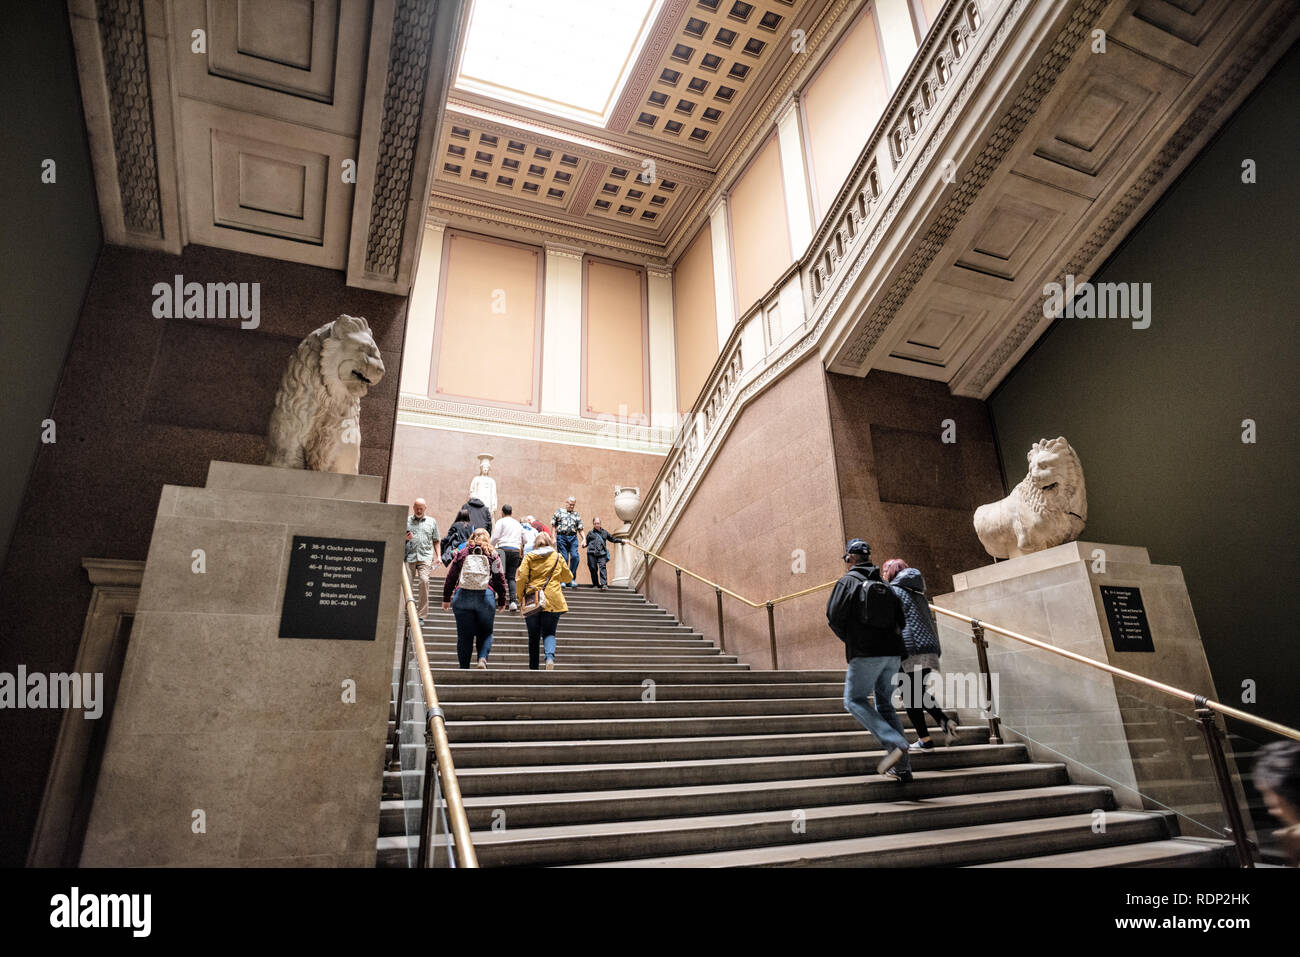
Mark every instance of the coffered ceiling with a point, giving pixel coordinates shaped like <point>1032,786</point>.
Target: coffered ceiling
<point>706,75</point>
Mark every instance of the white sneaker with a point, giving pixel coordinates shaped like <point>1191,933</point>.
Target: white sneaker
<point>550,666</point>
<point>514,606</point>
<point>482,663</point>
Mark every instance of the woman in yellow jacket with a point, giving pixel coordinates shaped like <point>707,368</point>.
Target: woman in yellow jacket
<point>541,563</point>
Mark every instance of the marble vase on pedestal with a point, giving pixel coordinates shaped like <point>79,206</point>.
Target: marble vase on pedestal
<point>232,746</point>
<point>1108,730</point>
<point>627,501</point>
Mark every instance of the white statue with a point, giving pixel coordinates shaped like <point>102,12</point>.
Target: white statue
<point>483,486</point>
<point>1047,508</point>
<point>317,419</point>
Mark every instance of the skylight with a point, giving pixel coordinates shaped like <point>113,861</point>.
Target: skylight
<point>568,58</point>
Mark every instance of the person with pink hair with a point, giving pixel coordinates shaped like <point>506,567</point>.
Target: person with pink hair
<point>922,641</point>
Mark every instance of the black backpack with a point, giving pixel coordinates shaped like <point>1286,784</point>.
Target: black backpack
<point>454,539</point>
<point>879,605</point>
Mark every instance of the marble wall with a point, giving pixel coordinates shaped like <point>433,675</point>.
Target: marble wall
<point>769,495</point>
<point>533,477</point>
<point>814,460</point>
<point>903,488</point>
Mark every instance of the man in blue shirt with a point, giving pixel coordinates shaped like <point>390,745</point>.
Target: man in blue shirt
<point>421,533</point>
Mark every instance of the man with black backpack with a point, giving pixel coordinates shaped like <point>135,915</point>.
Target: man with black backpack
<point>868,617</point>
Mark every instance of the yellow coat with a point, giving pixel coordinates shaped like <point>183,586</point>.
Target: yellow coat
<point>533,571</point>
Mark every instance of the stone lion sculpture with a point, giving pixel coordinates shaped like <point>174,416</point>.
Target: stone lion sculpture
<point>1047,508</point>
<point>316,423</point>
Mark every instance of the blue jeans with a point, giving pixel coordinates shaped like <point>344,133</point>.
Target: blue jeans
<point>567,545</point>
<point>475,612</point>
<point>876,675</point>
<point>542,625</point>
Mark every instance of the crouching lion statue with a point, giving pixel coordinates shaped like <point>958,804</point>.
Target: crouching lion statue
<point>1047,508</point>
<point>317,419</point>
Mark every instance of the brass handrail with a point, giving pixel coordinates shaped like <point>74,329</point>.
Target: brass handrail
<point>726,591</point>
<point>1189,696</point>
<point>437,729</point>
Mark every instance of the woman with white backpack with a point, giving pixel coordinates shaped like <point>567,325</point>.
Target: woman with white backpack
<point>475,589</point>
<point>538,584</point>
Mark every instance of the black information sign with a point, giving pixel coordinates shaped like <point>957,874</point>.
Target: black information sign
<point>1129,630</point>
<point>333,588</point>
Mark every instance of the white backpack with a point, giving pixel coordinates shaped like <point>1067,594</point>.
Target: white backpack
<point>476,572</point>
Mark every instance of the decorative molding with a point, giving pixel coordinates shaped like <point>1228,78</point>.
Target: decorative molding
<point>126,70</point>
<point>114,571</point>
<point>466,212</point>
<point>1081,262</point>
<point>989,158</point>
<point>540,427</point>
<point>567,252</point>
<point>498,121</point>
<point>409,62</point>
<point>662,33</point>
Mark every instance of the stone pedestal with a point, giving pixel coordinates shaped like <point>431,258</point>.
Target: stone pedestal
<point>230,745</point>
<point>620,558</point>
<point>1108,730</point>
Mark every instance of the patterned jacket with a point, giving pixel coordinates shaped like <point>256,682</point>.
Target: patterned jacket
<point>918,634</point>
<point>566,522</point>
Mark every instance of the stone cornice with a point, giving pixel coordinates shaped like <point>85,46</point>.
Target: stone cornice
<point>539,427</point>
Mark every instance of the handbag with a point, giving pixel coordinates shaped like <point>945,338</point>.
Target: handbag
<point>535,598</point>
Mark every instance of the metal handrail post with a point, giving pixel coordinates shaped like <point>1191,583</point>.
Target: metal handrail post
<point>986,681</point>
<point>679,595</point>
<point>722,637</point>
<point>394,762</point>
<point>1227,795</point>
<point>426,797</point>
<point>771,631</point>
<point>436,726</point>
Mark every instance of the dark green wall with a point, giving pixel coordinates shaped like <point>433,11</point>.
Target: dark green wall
<point>1156,414</point>
<point>51,233</point>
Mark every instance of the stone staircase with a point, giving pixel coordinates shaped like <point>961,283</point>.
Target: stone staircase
<point>649,747</point>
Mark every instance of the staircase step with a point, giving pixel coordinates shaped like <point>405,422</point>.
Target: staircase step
<point>972,844</point>
<point>1175,852</point>
<point>565,657</point>
<point>465,732</point>
<point>539,810</point>
<point>637,676</point>
<point>561,689</point>
<point>633,774</point>
<point>495,754</point>
<point>569,710</point>
<point>769,830</point>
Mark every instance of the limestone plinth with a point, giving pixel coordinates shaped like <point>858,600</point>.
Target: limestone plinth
<point>229,745</point>
<point>621,557</point>
<point>1108,730</point>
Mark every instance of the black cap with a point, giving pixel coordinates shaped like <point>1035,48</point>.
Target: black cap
<point>856,546</point>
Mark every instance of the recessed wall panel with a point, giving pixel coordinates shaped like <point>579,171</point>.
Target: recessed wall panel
<point>614,330</point>
<point>841,106</point>
<point>695,310</point>
<point>487,320</point>
<point>760,234</point>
